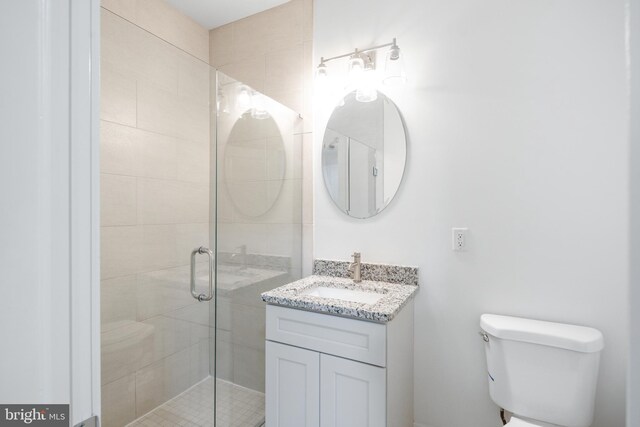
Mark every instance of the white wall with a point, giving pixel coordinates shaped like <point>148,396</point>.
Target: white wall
<point>633,397</point>
<point>49,307</point>
<point>517,114</point>
<point>34,301</point>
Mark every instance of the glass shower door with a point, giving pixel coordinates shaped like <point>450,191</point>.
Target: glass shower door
<point>156,186</point>
<point>190,160</point>
<point>259,237</point>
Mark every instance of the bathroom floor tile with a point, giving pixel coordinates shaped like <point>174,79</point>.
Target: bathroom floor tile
<point>237,407</point>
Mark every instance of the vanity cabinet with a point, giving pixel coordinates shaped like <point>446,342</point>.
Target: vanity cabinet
<point>330,371</point>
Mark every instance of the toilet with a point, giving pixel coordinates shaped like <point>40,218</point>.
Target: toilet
<point>544,373</point>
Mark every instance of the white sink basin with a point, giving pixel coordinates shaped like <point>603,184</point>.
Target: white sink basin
<point>344,294</point>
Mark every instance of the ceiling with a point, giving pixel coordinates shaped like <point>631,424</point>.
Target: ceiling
<point>214,13</point>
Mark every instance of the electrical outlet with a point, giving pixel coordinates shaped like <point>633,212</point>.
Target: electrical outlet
<point>459,239</point>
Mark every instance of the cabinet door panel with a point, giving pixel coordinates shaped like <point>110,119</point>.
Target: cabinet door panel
<point>352,394</point>
<point>292,386</point>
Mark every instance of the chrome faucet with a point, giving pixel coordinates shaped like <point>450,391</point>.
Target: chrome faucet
<point>242,252</point>
<point>355,268</point>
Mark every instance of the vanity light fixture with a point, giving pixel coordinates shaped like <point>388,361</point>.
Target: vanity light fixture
<point>249,100</point>
<point>356,65</point>
<point>243,100</point>
<point>362,66</point>
<point>321,70</point>
<point>394,73</point>
<point>366,88</point>
<point>259,110</point>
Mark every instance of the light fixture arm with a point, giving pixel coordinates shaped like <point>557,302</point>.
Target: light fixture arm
<point>324,60</point>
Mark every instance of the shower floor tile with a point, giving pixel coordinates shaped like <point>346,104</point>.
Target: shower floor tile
<point>237,407</point>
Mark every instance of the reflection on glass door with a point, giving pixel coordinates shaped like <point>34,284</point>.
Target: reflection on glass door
<point>259,238</point>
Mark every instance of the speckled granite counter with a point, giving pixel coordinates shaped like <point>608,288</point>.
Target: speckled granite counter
<point>395,295</point>
<point>376,272</point>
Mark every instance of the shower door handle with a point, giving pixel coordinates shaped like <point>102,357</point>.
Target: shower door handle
<point>207,251</point>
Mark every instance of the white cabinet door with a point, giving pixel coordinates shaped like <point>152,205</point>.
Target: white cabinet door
<point>292,386</point>
<point>352,394</point>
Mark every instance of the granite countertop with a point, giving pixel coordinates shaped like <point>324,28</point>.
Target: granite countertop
<point>384,310</point>
<point>330,274</point>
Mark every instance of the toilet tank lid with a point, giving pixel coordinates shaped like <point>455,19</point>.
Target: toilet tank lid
<point>570,337</point>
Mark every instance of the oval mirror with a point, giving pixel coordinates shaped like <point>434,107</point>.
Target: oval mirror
<point>364,151</point>
<point>254,164</point>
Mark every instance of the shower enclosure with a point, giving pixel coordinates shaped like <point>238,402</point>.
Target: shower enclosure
<point>201,186</point>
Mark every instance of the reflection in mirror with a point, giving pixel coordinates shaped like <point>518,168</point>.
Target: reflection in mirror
<point>254,163</point>
<point>363,155</point>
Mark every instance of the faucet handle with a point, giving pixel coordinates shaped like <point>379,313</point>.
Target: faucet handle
<point>355,256</point>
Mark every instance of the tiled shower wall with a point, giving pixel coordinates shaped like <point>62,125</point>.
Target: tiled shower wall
<point>155,143</point>
<point>272,52</point>
<point>155,140</point>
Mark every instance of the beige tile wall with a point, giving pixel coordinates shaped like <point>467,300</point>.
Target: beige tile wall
<point>272,52</point>
<point>155,204</point>
<point>155,185</point>
<point>162,20</point>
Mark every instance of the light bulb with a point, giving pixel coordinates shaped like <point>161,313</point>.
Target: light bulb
<point>259,110</point>
<point>322,72</point>
<point>394,52</point>
<point>243,100</point>
<point>366,91</point>
<point>356,67</point>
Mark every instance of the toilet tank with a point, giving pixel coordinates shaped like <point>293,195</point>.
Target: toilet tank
<point>542,370</point>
